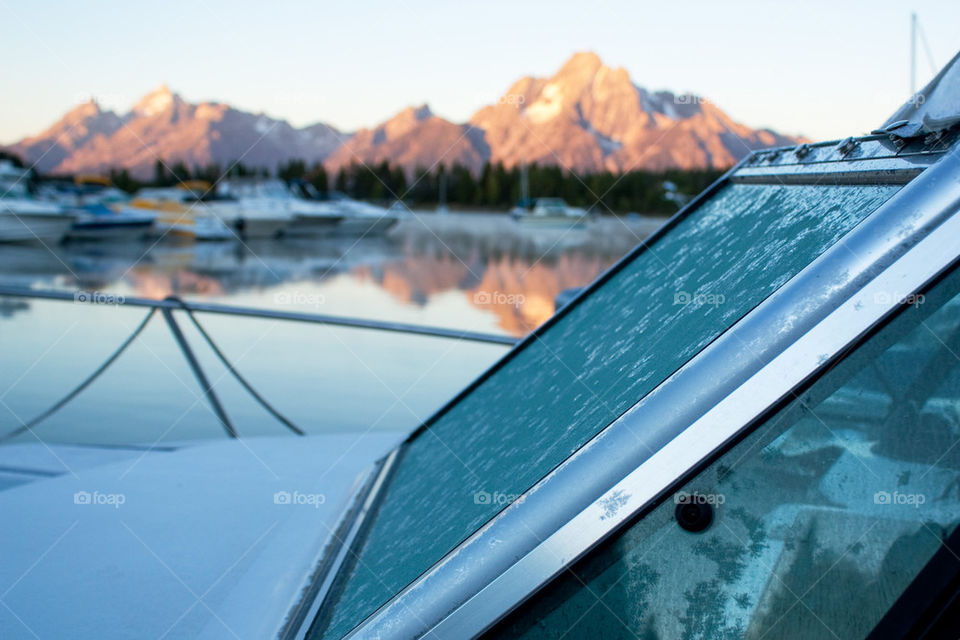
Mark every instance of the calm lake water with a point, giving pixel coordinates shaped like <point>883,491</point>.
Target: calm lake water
<point>480,272</point>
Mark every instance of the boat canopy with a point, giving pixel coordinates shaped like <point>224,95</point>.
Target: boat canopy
<point>703,431</point>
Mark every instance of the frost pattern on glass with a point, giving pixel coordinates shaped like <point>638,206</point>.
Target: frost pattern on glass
<point>823,515</point>
<point>587,369</point>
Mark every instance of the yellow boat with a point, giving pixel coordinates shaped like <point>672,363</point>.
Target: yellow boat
<point>181,214</point>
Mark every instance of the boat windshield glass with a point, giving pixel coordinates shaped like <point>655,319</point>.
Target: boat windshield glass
<point>849,489</point>
<point>657,309</point>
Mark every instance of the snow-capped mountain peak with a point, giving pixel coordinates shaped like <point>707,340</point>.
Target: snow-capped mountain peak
<point>156,102</point>
<point>586,117</point>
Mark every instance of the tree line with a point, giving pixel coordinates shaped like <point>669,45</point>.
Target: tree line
<point>495,187</point>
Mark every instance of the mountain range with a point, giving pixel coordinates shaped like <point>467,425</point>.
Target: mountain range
<point>586,117</point>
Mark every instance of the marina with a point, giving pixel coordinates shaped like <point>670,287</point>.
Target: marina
<point>257,209</point>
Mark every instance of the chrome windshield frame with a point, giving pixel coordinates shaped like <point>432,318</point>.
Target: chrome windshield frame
<point>339,548</point>
<point>892,253</point>
<point>709,433</point>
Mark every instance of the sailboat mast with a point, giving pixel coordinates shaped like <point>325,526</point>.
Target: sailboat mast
<point>913,53</point>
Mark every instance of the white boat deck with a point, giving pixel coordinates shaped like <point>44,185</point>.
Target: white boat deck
<point>208,540</point>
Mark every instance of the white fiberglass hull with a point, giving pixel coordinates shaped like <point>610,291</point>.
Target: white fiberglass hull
<point>552,220</point>
<point>259,227</point>
<point>211,228</point>
<point>366,225</point>
<point>111,233</point>
<point>199,229</point>
<point>25,226</point>
<point>312,225</point>
<point>252,219</point>
<point>120,226</point>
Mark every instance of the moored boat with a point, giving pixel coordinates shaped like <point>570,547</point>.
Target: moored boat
<point>100,222</point>
<point>23,218</point>
<point>270,208</point>
<point>101,210</point>
<point>551,211</point>
<point>363,218</point>
<point>250,223</point>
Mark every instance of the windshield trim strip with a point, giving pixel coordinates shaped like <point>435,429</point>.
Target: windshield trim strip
<point>343,541</point>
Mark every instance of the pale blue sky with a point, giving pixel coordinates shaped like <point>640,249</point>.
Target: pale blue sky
<point>822,69</point>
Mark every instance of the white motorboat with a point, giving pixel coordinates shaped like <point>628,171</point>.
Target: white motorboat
<point>261,203</point>
<point>312,218</point>
<point>363,218</point>
<point>100,222</point>
<point>24,218</point>
<point>250,222</point>
<point>551,211</point>
<point>101,210</point>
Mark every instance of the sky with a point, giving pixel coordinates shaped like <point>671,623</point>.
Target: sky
<point>820,69</point>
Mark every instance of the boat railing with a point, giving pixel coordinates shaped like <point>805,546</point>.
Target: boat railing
<point>166,308</point>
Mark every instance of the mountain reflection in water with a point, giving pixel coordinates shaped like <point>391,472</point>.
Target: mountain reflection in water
<point>472,271</point>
